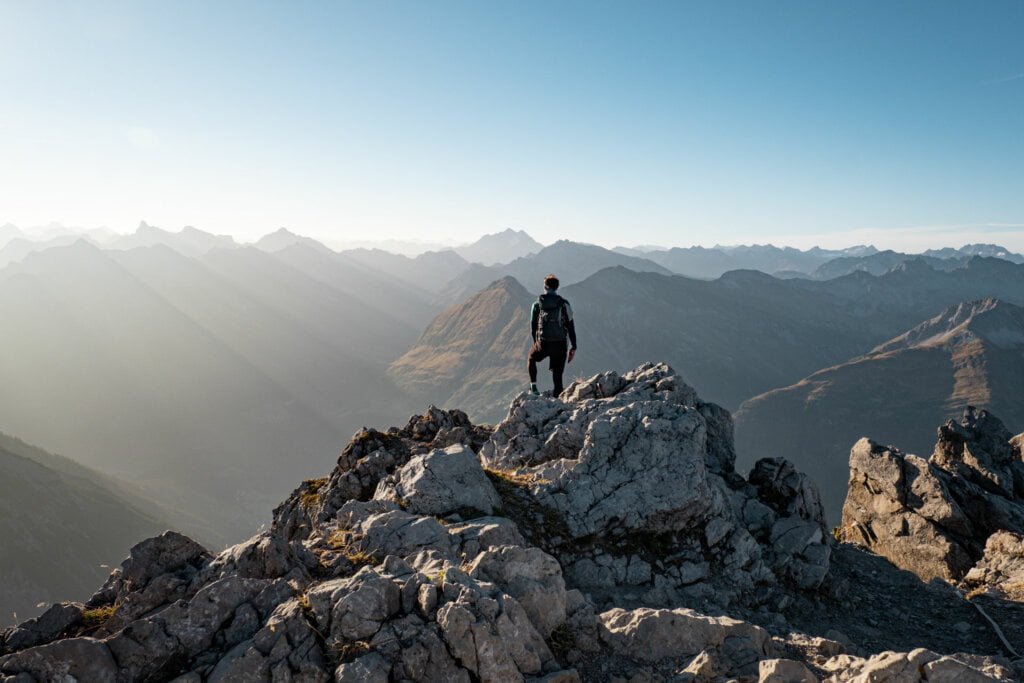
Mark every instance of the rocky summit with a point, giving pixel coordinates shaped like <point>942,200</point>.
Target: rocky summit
<point>605,536</point>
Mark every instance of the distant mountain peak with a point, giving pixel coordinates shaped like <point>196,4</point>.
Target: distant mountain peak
<point>282,238</point>
<point>996,322</point>
<point>500,247</point>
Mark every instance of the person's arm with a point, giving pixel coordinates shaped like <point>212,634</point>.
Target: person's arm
<point>570,328</point>
<point>533,320</point>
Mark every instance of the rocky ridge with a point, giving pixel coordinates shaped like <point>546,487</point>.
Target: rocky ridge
<point>959,515</point>
<point>605,536</point>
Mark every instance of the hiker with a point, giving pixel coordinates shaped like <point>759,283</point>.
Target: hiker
<point>553,329</point>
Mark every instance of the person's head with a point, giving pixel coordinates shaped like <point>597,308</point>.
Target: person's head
<point>551,282</point>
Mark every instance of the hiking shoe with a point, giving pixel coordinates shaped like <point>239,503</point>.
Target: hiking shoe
<point>534,392</point>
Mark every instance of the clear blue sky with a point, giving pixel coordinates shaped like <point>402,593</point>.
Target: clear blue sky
<point>608,122</point>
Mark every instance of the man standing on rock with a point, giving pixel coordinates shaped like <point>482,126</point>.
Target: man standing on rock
<point>553,329</point>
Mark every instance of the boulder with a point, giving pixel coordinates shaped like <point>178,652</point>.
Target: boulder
<point>529,575</point>
<point>784,671</point>
<point>658,634</point>
<point>1001,567</point>
<point>933,517</point>
<point>51,624</point>
<point>441,482</point>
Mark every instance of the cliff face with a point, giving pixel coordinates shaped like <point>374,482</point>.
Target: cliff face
<point>937,517</point>
<point>599,537</point>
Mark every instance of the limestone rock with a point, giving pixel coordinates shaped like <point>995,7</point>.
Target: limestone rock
<point>1002,566</point>
<point>916,666</point>
<point>933,517</point>
<point>531,576</point>
<point>784,671</point>
<point>654,635</point>
<point>606,513</point>
<point>82,659</point>
<point>51,624</point>
<point>441,482</point>
<point>632,461</point>
<point>168,553</point>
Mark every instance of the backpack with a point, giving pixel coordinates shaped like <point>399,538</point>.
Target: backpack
<point>552,318</point>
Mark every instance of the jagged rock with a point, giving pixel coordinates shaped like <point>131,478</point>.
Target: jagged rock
<point>784,671</point>
<point>441,482</point>
<point>788,492</point>
<point>391,532</point>
<point>933,517</point>
<point>912,667</point>
<point>168,553</point>
<point>370,456</point>
<point>531,576</point>
<point>630,462</point>
<point>484,533</point>
<point>623,495</point>
<point>353,609</point>
<point>1001,568</point>
<point>155,644</point>
<point>654,635</point>
<point>81,659</point>
<point>290,646</point>
<point>51,624</point>
<point>633,465</point>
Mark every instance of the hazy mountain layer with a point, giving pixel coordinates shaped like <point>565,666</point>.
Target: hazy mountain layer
<point>733,338</point>
<point>217,380</point>
<point>727,337</point>
<point>571,261</point>
<point>971,354</point>
<point>500,247</point>
<point>62,527</point>
<point>816,263</point>
<point>188,241</point>
<point>430,271</point>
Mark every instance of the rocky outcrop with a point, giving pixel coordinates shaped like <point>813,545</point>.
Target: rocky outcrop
<point>607,538</point>
<point>1001,568</point>
<point>934,517</point>
<point>634,482</point>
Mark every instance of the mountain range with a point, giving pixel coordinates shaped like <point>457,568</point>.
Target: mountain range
<point>732,338</point>
<point>216,379</point>
<point>971,354</point>
<point>815,263</point>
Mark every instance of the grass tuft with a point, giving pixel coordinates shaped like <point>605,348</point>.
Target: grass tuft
<point>310,496</point>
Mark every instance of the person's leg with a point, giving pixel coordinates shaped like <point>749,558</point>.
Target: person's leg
<point>559,350</point>
<point>537,353</point>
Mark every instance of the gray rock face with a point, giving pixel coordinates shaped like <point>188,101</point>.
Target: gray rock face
<point>629,466</point>
<point>933,517</point>
<point>50,625</point>
<point>655,635</point>
<point>441,482</point>
<point>916,666</point>
<point>1001,568</point>
<point>571,559</point>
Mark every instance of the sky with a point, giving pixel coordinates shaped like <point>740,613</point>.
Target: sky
<point>615,123</point>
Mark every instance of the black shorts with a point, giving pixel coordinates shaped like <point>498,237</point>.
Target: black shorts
<point>555,350</point>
